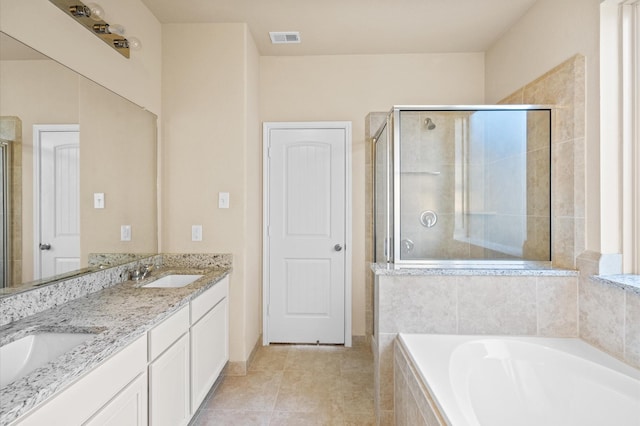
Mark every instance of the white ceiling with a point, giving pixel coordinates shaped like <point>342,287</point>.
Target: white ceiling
<point>330,27</point>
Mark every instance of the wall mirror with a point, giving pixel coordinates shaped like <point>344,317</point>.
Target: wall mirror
<point>78,171</point>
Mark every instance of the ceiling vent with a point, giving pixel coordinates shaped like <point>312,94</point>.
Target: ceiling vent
<point>283,37</point>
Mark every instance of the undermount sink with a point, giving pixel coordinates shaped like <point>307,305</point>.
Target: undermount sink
<point>22,356</point>
<point>173,281</point>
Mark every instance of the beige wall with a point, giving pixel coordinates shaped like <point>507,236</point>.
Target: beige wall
<point>347,88</point>
<point>118,158</point>
<point>211,145</point>
<point>137,78</point>
<point>253,172</point>
<point>38,92</point>
<point>550,33</point>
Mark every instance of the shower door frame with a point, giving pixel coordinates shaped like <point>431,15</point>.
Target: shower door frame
<point>395,257</point>
<point>6,212</point>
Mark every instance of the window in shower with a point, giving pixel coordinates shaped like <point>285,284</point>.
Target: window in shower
<point>469,184</point>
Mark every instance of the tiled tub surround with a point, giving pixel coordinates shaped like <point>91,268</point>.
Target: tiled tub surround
<point>120,314</point>
<point>453,377</point>
<point>609,315</point>
<point>534,302</point>
<point>412,401</point>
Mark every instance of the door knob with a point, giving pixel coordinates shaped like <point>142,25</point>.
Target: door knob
<point>45,246</point>
<point>337,247</point>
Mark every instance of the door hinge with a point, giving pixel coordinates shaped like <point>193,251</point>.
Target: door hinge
<point>269,151</point>
<point>268,306</point>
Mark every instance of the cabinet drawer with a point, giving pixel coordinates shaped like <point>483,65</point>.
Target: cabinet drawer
<point>207,300</point>
<point>167,332</point>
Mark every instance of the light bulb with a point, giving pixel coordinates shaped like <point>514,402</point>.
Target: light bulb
<point>116,29</point>
<point>134,43</point>
<point>97,12</point>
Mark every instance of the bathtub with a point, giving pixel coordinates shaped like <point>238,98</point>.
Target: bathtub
<point>506,381</point>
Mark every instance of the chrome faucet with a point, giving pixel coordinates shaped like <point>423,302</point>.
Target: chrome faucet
<point>141,272</point>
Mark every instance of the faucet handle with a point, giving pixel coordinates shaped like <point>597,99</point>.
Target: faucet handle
<point>135,274</point>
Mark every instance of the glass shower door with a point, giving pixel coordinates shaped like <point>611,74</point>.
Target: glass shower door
<point>383,199</point>
<point>471,184</point>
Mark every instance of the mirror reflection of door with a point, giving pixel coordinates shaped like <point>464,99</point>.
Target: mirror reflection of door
<point>57,210</point>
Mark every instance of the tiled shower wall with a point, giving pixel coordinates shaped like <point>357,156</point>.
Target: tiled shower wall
<point>609,314</point>
<point>605,315</point>
<point>563,88</point>
<point>373,121</point>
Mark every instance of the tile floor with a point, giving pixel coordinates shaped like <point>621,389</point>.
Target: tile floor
<point>296,385</point>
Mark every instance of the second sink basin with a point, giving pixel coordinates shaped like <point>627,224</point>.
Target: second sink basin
<point>173,281</point>
<point>22,356</point>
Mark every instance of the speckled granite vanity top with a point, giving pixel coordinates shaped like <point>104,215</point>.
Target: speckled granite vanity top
<point>117,315</point>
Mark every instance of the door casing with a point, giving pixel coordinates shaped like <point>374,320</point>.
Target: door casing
<point>266,129</point>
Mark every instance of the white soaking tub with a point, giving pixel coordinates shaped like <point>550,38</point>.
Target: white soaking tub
<point>524,381</point>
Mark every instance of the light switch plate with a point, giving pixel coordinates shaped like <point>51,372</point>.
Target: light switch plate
<point>196,233</point>
<point>125,233</point>
<point>223,200</point>
<point>98,200</point>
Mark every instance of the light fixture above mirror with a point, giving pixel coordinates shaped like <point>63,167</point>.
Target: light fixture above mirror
<point>91,16</point>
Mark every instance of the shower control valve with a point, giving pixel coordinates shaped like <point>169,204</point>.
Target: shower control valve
<point>428,218</point>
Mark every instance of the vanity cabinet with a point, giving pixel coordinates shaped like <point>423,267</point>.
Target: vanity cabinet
<point>106,389</point>
<point>209,340</point>
<point>169,371</point>
<point>159,379</point>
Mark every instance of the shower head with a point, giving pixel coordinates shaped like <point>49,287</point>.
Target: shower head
<point>429,123</point>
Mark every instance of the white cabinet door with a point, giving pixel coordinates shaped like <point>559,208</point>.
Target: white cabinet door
<point>209,351</point>
<point>128,408</point>
<point>169,386</point>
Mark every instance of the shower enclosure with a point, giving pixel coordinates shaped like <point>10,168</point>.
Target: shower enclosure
<point>463,184</point>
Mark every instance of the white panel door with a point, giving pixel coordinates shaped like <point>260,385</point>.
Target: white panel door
<point>306,235</point>
<point>59,244</point>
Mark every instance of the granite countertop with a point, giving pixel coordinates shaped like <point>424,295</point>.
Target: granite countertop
<point>629,282</point>
<point>450,268</point>
<point>117,315</point>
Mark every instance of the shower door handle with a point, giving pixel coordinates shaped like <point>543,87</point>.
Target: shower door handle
<point>337,247</point>
<point>45,246</point>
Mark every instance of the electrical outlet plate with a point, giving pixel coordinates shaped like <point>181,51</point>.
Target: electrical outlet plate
<point>125,233</point>
<point>196,233</point>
